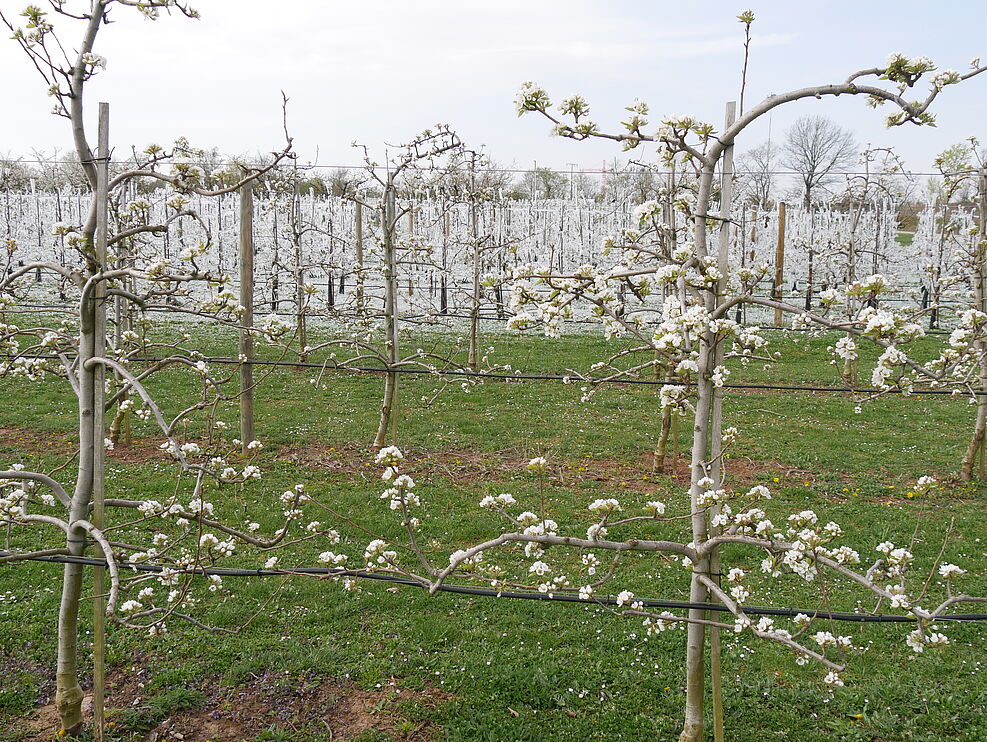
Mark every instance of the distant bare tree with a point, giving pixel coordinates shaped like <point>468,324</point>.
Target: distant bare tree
<point>816,148</point>
<point>756,174</point>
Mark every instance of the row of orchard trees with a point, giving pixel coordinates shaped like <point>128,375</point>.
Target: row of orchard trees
<point>567,233</point>
<point>304,239</point>
<point>679,247</point>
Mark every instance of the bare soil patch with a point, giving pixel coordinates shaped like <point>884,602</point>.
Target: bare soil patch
<point>303,707</point>
<point>638,474</point>
<point>461,465</point>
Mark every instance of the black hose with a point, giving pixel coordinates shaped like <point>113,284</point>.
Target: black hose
<point>548,377</point>
<point>512,594</point>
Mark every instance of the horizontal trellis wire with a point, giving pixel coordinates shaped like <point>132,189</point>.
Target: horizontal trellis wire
<point>549,377</point>
<point>512,594</point>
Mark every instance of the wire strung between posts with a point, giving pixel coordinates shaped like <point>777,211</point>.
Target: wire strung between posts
<point>512,594</point>
<point>445,316</point>
<point>546,377</point>
<point>904,175</point>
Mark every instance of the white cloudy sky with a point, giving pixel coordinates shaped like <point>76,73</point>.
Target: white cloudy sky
<point>380,70</point>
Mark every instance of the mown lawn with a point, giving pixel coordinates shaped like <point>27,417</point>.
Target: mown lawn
<point>316,661</point>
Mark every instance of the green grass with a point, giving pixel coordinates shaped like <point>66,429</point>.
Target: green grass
<point>519,670</point>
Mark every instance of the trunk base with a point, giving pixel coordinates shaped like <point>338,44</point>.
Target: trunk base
<point>68,701</point>
<point>692,733</point>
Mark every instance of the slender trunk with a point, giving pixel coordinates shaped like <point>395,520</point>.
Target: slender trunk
<point>117,425</point>
<point>695,665</point>
<point>977,439</point>
<point>849,367</point>
<point>391,321</point>
<point>444,289</point>
<point>979,276</point>
<point>474,347</point>
<point>247,320</point>
<point>121,310</point>
<point>386,410</point>
<point>716,423</point>
<point>68,693</point>
<point>300,325</point>
<point>661,447</point>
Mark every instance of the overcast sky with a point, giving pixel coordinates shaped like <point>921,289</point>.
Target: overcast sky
<point>379,71</point>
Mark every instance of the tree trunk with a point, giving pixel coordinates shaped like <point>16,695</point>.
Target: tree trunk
<point>92,322</point>
<point>300,324</point>
<point>386,410</point>
<point>716,422</point>
<point>979,280</point>
<point>474,347</point>
<point>247,321</point>
<point>68,693</point>
<point>391,319</point>
<point>661,447</point>
<point>695,662</point>
<point>977,439</point>
<point>780,262</point>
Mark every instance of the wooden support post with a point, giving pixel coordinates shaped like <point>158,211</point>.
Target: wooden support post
<point>716,434</point>
<point>444,288</point>
<point>247,320</point>
<point>473,354</point>
<point>98,421</point>
<point>358,238</point>
<point>301,328</point>
<point>411,236</point>
<point>980,286</point>
<point>779,262</point>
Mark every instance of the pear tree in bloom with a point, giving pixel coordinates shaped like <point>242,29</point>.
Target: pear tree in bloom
<point>853,308</point>
<point>718,516</point>
<point>79,348</point>
<point>862,242</point>
<point>955,252</point>
<point>533,552</point>
<point>942,231</point>
<point>955,269</point>
<point>374,331</point>
<point>629,297</point>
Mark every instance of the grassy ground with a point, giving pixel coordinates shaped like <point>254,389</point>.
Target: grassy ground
<point>320,664</point>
